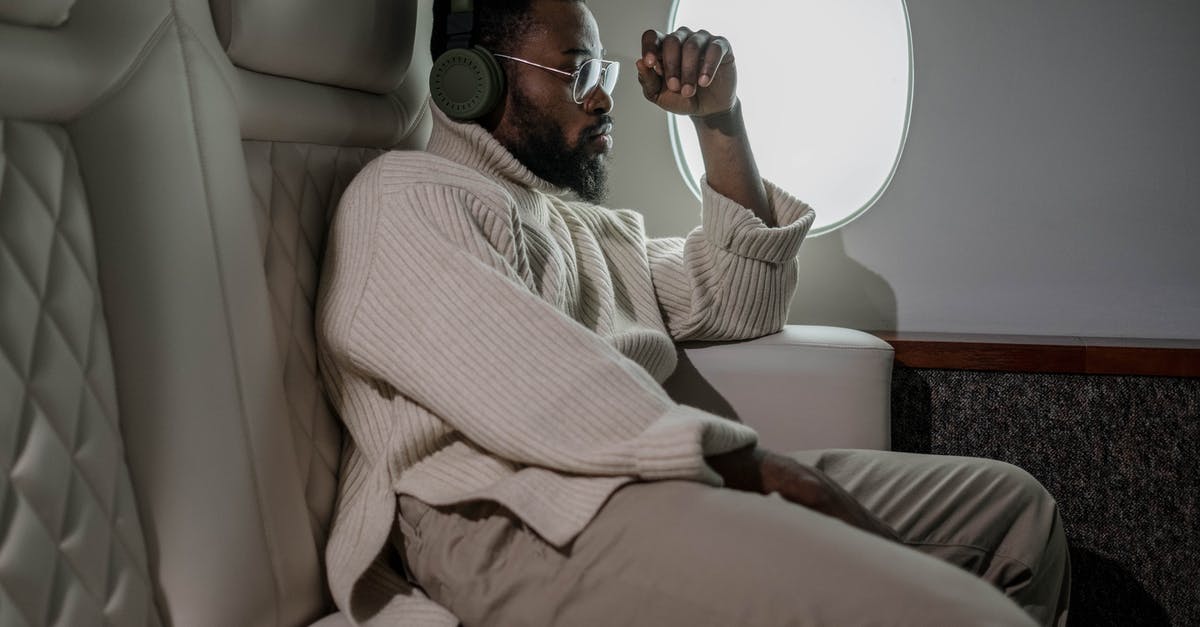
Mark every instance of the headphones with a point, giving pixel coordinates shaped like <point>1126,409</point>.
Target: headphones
<point>466,82</point>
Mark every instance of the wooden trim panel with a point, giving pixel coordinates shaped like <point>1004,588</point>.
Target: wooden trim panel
<point>1062,355</point>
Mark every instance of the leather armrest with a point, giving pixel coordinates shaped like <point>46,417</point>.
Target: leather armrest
<point>805,387</point>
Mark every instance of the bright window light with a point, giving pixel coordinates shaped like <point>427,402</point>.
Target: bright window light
<point>826,90</point>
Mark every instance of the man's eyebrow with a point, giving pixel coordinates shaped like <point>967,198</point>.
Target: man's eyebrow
<point>585,52</point>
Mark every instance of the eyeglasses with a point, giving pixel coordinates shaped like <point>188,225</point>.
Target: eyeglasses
<point>593,73</point>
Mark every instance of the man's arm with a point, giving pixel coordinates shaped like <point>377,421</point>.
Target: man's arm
<point>729,161</point>
<point>442,317</point>
<point>734,277</point>
<point>695,74</point>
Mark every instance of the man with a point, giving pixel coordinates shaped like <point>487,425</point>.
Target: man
<point>496,353</point>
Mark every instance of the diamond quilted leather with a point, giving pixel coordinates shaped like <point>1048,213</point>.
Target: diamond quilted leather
<point>71,547</point>
<point>296,188</point>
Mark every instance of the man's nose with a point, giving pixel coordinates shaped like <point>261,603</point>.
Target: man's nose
<point>598,102</point>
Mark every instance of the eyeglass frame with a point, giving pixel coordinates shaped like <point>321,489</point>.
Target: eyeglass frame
<point>605,67</point>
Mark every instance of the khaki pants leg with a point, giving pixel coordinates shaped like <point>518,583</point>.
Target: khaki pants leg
<point>676,553</point>
<point>988,517</point>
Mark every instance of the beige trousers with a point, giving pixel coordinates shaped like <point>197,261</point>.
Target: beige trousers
<point>982,545</point>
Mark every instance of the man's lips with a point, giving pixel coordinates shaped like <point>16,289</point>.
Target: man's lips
<point>603,129</point>
<point>602,136</point>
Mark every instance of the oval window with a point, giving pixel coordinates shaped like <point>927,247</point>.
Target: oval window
<point>826,90</point>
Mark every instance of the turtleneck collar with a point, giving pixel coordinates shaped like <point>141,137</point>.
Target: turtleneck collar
<point>473,146</point>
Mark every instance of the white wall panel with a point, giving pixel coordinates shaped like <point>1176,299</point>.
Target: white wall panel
<point>1050,184</point>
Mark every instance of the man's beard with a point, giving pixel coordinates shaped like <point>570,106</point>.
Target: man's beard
<point>542,147</point>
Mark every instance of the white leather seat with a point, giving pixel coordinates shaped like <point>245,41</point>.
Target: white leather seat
<point>130,238</point>
<point>321,89</point>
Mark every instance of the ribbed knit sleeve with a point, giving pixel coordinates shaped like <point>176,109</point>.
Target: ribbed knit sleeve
<point>733,277</point>
<point>445,320</point>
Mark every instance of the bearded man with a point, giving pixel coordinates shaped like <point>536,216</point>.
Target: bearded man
<point>496,351</point>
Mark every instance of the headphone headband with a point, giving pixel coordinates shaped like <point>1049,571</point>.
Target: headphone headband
<point>460,24</point>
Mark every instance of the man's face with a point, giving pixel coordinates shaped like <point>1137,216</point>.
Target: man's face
<point>563,142</point>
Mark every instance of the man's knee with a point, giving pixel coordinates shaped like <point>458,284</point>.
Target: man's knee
<point>1026,507</point>
<point>1035,539</point>
<point>1017,481</point>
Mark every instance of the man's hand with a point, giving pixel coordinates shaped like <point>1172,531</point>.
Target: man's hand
<point>694,74</point>
<point>807,486</point>
<point>688,73</point>
<point>758,470</point>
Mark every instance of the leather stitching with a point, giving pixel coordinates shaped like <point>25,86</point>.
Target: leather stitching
<point>59,240</point>
<point>304,179</point>
<point>85,415</point>
<point>127,74</point>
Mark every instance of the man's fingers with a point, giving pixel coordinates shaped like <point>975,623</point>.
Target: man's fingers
<point>650,80</point>
<point>671,49</point>
<point>651,42</point>
<point>689,62</point>
<point>716,53</point>
<point>684,62</point>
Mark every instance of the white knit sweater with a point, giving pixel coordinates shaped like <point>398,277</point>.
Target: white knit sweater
<point>484,339</point>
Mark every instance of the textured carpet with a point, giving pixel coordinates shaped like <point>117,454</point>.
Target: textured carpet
<point>1121,455</point>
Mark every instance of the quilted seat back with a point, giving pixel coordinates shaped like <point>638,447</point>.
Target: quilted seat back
<point>323,88</point>
<point>72,548</point>
<point>167,169</point>
<point>149,468</point>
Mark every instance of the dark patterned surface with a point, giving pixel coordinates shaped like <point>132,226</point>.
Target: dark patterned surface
<point>1119,453</point>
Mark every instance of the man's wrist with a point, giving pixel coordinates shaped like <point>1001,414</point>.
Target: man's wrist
<point>727,122</point>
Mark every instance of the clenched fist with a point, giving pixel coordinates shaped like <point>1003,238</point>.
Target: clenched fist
<point>688,72</point>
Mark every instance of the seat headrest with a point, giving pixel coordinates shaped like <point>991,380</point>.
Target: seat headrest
<point>42,13</point>
<point>358,44</point>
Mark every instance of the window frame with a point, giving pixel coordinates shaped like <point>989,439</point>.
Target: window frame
<point>692,181</point>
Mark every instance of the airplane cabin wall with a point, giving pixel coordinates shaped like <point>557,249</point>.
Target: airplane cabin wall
<point>1049,184</point>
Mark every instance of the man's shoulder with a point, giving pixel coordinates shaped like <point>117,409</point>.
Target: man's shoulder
<point>410,178</point>
<point>628,222</point>
<point>404,170</point>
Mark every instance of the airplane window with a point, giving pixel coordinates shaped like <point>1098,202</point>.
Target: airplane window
<point>826,89</point>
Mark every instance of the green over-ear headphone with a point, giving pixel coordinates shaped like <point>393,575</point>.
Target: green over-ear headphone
<point>466,82</point>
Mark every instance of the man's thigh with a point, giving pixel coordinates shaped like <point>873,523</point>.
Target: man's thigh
<point>938,499</point>
<point>985,516</point>
<point>676,553</point>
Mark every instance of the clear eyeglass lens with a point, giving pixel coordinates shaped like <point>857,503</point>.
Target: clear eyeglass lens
<point>610,76</point>
<point>589,77</point>
<point>595,72</point>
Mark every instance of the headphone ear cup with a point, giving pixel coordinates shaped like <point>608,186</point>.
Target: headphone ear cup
<point>466,83</point>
